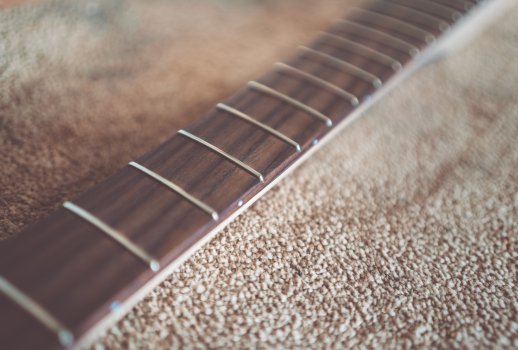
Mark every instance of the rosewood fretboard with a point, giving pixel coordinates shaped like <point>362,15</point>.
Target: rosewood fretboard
<point>79,266</point>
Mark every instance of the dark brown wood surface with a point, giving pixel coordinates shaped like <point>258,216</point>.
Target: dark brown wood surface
<point>76,272</point>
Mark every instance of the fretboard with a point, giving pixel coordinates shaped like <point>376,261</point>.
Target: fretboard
<point>88,262</point>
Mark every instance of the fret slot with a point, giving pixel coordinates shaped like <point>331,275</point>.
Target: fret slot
<point>287,99</point>
<point>283,67</point>
<point>398,25</point>
<point>437,22</point>
<point>172,186</point>
<point>239,114</point>
<point>343,65</point>
<point>362,50</point>
<point>383,37</point>
<point>115,235</point>
<point>222,153</point>
<point>65,337</point>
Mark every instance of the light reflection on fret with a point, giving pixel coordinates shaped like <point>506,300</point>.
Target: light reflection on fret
<point>66,338</point>
<point>115,235</point>
<point>287,99</point>
<point>363,50</point>
<point>399,25</point>
<point>283,67</point>
<point>387,39</point>
<point>441,24</point>
<point>222,153</point>
<point>200,204</point>
<point>343,65</point>
<point>257,123</point>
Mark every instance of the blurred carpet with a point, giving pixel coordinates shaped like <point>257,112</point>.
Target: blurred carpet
<point>402,232</point>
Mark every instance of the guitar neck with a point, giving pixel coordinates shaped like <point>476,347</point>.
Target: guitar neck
<point>87,263</point>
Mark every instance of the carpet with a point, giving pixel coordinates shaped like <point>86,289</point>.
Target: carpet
<point>401,232</point>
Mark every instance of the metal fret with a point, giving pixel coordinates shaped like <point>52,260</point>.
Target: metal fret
<point>200,204</point>
<point>112,233</point>
<point>388,39</point>
<point>399,25</point>
<point>257,123</point>
<point>343,65</point>
<point>454,14</point>
<point>65,337</point>
<point>276,94</point>
<point>363,50</point>
<point>222,153</point>
<point>441,24</point>
<point>466,4</point>
<point>283,67</point>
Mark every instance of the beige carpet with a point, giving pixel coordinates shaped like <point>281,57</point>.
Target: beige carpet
<point>402,232</point>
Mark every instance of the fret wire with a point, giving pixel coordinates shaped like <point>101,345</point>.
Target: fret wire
<point>401,26</point>
<point>283,67</point>
<point>390,39</point>
<point>455,14</point>
<point>285,98</point>
<point>171,185</point>
<point>257,123</point>
<point>346,66</point>
<point>441,24</point>
<point>467,5</point>
<point>65,337</point>
<point>222,153</point>
<point>367,51</point>
<point>115,235</point>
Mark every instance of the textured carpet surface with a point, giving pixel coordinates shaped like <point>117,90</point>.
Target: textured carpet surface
<point>401,232</point>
